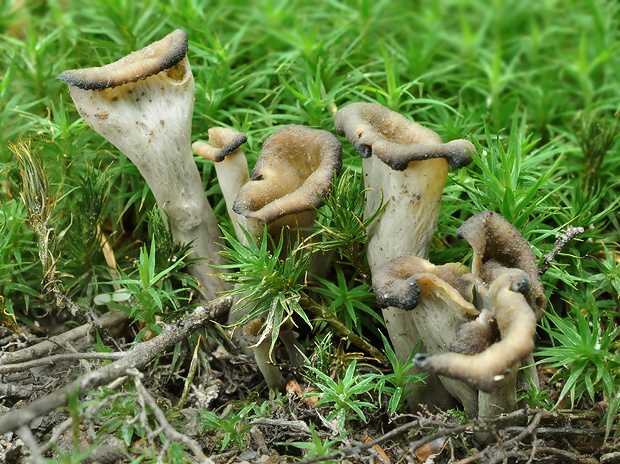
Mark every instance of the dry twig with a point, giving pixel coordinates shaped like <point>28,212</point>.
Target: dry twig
<point>11,368</point>
<point>109,319</point>
<point>561,242</point>
<point>138,358</point>
<point>164,426</point>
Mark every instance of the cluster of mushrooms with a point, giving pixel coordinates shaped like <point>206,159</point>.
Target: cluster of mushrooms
<point>474,328</point>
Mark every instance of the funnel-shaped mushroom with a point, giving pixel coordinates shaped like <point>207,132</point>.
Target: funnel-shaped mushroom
<point>507,290</point>
<point>498,245</point>
<point>293,172</point>
<point>231,167</point>
<point>143,105</point>
<point>517,326</point>
<point>437,301</point>
<point>508,284</point>
<point>504,291</point>
<point>405,165</point>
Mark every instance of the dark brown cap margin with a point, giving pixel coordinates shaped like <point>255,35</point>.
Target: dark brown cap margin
<point>136,66</point>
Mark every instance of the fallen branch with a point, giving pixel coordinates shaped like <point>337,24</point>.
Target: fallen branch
<point>109,319</point>
<point>567,456</point>
<point>11,368</point>
<point>138,358</point>
<point>318,311</point>
<point>498,452</point>
<point>423,422</point>
<point>294,424</point>
<point>561,242</point>
<point>392,433</point>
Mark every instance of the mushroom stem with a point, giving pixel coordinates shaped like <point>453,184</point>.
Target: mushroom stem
<point>143,105</point>
<point>411,212</point>
<point>404,335</point>
<point>231,167</point>
<point>259,339</point>
<point>502,400</point>
<point>294,348</point>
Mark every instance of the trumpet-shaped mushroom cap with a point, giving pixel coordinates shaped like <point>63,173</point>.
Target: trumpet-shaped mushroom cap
<point>403,281</point>
<point>222,142</point>
<point>517,326</point>
<point>151,60</point>
<point>293,172</point>
<point>376,130</point>
<point>498,245</point>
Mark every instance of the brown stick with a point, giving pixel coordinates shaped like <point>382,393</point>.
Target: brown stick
<point>318,311</point>
<point>138,358</point>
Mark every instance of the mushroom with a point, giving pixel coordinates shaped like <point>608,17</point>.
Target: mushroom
<point>405,165</point>
<point>231,167</point>
<point>258,337</point>
<point>435,301</point>
<point>294,170</point>
<point>516,323</point>
<point>507,291</point>
<point>143,105</point>
<point>502,254</point>
<point>497,246</point>
<point>500,250</point>
<point>504,294</point>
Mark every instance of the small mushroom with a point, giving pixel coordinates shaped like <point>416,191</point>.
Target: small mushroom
<point>405,165</point>
<point>293,172</point>
<point>231,167</point>
<point>143,105</point>
<point>497,246</point>
<point>258,337</point>
<point>436,300</point>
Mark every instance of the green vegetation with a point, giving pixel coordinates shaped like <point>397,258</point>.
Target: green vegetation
<point>532,83</point>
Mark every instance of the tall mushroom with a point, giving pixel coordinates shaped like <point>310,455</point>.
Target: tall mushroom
<point>143,105</point>
<point>405,166</point>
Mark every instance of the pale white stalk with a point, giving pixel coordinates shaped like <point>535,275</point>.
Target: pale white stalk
<point>143,105</point>
<point>405,169</point>
<point>231,168</point>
